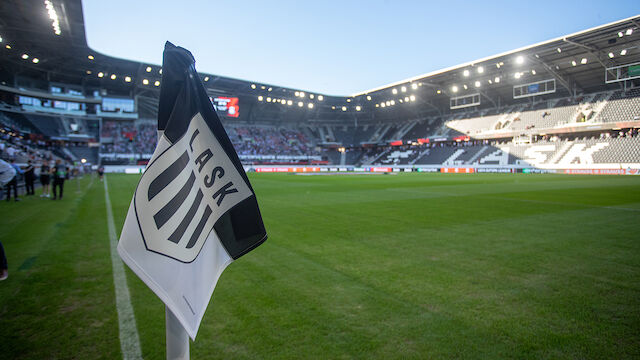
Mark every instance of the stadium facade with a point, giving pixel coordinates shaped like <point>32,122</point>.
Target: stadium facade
<point>570,104</point>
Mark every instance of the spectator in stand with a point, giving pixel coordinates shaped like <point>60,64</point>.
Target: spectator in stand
<point>45,178</point>
<point>13,183</point>
<point>29,178</point>
<point>59,172</point>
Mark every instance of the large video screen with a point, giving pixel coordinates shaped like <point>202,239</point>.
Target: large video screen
<point>226,106</point>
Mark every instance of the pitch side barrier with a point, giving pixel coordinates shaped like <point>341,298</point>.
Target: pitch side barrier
<point>594,169</point>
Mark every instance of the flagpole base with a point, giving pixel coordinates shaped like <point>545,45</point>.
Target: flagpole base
<point>177,338</point>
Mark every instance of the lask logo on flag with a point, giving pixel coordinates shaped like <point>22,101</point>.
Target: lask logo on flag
<point>194,211</point>
<point>185,191</point>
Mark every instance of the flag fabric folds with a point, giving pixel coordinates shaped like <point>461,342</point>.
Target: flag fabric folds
<point>194,210</point>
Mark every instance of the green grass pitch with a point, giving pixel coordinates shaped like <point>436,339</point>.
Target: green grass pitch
<point>409,266</point>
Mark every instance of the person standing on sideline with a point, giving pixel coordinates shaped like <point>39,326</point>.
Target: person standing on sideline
<point>7,172</point>
<point>59,175</point>
<point>13,183</point>
<point>45,178</point>
<point>29,177</point>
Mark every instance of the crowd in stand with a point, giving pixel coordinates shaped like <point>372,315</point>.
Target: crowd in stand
<point>125,137</point>
<point>269,141</point>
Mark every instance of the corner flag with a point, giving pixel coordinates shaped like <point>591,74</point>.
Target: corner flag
<point>194,210</point>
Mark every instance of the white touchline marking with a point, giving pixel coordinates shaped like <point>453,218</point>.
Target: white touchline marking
<point>129,340</point>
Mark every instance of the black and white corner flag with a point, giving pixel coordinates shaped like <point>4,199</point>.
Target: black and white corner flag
<point>194,210</point>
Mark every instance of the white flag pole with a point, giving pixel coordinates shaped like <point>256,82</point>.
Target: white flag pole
<point>177,338</point>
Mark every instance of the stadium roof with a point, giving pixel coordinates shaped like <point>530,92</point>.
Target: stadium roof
<point>32,49</point>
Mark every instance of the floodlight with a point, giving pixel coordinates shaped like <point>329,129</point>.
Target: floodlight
<point>297,93</point>
<point>25,56</point>
<point>520,60</point>
<point>88,72</point>
<point>8,46</point>
<point>406,99</point>
<point>465,86</point>
<point>383,104</point>
<point>623,52</point>
<point>403,89</point>
<point>310,105</point>
<point>533,71</point>
<point>388,103</point>
<point>289,102</point>
<point>393,102</point>
<point>629,31</point>
<point>358,108</point>
<point>206,78</point>
<point>127,78</point>
<point>35,60</point>
<point>574,63</point>
<point>311,96</point>
<point>320,97</point>
<point>583,61</point>
<point>300,103</point>
<point>145,82</point>
<point>269,89</point>
<point>559,50</point>
<point>100,74</point>
<point>83,160</point>
<point>268,99</point>
<point>90,57</point>
<point>157,83</point>
<point>301,93</point>
<point>465,73</point>
<point>414,86</point>
<point>369,97</point>
<point>611,55</point>
<point>113,76</point>
<point>480,69</point>
<point>253,86</point>
<point>439,92</point>
<point>260,98</point>
<point>412,98</point>
<point>477,83</point>
<point>377,105</point>
<point>394,91</point>
<point>160,71</point>
<point>496,80</point>
<point>620,34</point>
<point>454,88</point>
<point>344,108</point>
<point>148,69</point>
<point>517,75</point>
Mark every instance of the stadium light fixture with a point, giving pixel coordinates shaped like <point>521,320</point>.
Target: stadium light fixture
<point>369,97</point>
<point>414,86</point>
<point>157,83</point>
<point>465,73</point>
<point>400,101</point>
<point>520,60</point>
<point>583,61</point>
<point>497,79</point>
<point>289,102</point>
<point>477,84</point>
<point>269,89</point>
<point>268,99</point>
<point>90,57</point>
<point>623,52</point>
<point>403,89</point>
<point>393,102</point>
<point>480,69</point>
<point>406,99</point>
<point>629,31</point>
<point>498,65</point>
<point>348,100</point>
<point>253,86</point>
<point>311,96</point>
<point>263,87</point>
<point>394,91</point>
<point>344,108</point>
<point>301,104</point>
<point>454,88</point>
<point>382,105</point>
<point>25,56</point>
<point>377,105</point>
<point>145,81</point>
<point>465,86</point>
<point>358,108</point>
<point>412,98</point>
<point>611,55</point>
<point>533,71</point>
<point>559,50</point>
<point>297,93</point>
<point>517,75</point>
<point>35,60</point>
<point>148,69</point>
<point>127,78</point>
<point>620,34</point>
<point>302,94</point>
<point>8,46</point>
<point>0,38</point>
<point>83,160</point>
<point>439,92</point>
<point>100,74</point>
<point>260,98</point>
<point>388,103</point>
<point>320,97</point>
<point>88,72</point>
<point>206,78</point>
<point>53,16</point>
<point>113,76</point>
<point>574,63</point>
<point>490,81</point>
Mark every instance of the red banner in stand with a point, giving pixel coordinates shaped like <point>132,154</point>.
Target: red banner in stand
<point>458,170</point>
